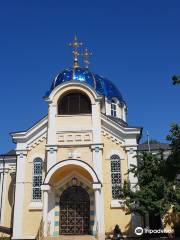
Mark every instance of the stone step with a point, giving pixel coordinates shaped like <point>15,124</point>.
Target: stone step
<point>71,237</point>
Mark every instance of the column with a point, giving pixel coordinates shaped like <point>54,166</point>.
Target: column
<point>96,148</point>
<point>51,206</point>
<point>4,195</point>
<point>45,189</point>
<point>19,194</point>
<point>96,215</point>
<point>1,193</point>
<point>98,228</point>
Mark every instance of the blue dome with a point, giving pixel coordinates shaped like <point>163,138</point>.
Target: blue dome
<point>101,85</point>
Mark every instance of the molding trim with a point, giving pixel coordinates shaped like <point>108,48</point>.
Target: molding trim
<point>23,237</point>
<point>73,84</point>
<point>35,206</point>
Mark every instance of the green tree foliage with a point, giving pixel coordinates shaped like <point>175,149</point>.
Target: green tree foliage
<point>176,80</point>
<point>158,189</point>
<point>173,161</point>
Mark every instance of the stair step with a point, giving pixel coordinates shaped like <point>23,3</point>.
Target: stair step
<point>72,237</point>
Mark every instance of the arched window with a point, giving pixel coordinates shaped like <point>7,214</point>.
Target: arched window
<point>113,108</point>
<point>37,179</point>
<point>115,175</point>
<point>74,103</point>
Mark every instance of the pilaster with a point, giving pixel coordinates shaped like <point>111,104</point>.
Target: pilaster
<point>51,206</point>
<point>51,146</point>
<point>97,148</point>
<point>52,123</point>
<point>45,189</point>
<point>132,160</point>
<point>19,194</point>
<point>3,193</point>
<point>51,155</point>
<point>96,122</point>
<point>97,159</point>
<point>124,112</point>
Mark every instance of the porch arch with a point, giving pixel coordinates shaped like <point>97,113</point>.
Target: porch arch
<point>72,162</point>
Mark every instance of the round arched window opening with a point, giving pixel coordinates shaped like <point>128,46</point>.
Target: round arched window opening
<point>74,103</point>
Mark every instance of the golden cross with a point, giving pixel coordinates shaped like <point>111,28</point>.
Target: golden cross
<point>86,56</point>
<point>75,45</point>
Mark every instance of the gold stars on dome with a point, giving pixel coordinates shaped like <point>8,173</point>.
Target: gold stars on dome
<point>75,44</point>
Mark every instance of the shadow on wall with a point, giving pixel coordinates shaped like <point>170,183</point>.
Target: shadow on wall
<point>11,195</point>
<point>126,232</point>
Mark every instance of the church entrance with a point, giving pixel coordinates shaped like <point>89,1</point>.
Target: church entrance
<point>74,211</point>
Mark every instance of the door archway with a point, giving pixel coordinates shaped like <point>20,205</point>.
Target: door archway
<point>74,211</point>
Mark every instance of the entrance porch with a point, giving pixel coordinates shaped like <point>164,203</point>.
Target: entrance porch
<point>72,200</point>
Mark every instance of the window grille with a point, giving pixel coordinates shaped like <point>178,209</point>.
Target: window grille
<point>115,176</point>
<point>113,108</point>
<point>37,179</point>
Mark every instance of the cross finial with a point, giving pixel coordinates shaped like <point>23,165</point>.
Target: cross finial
<point>75,45</point>
<point>86,56</point>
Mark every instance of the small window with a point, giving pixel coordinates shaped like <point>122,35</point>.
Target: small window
<point>113,108</point>
<point>74,103</point>
<point>37,179</point>
<point>115,176</point>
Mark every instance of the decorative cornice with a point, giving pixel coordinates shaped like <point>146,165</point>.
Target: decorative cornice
<point>37,141</point>
<point>112,137</point>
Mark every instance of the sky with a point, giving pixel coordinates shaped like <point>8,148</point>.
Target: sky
<point>135,44</point>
